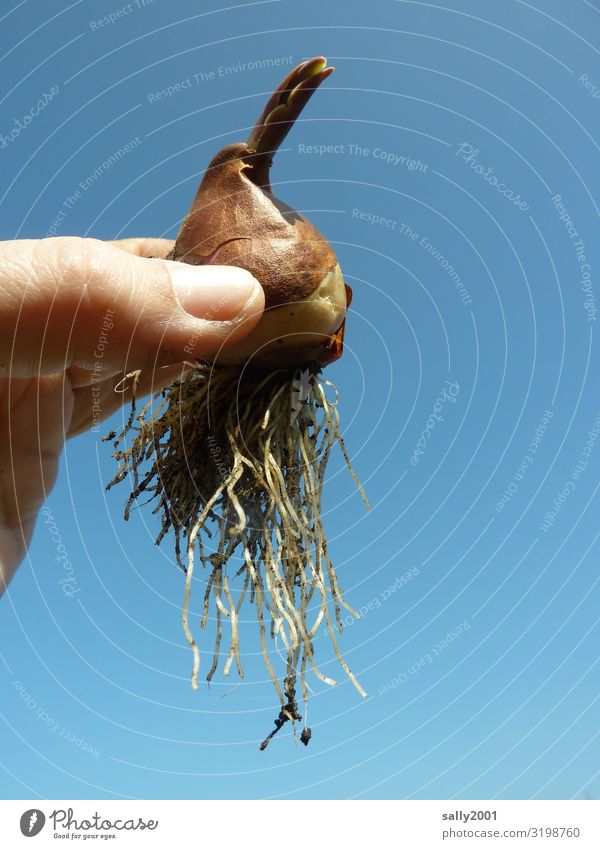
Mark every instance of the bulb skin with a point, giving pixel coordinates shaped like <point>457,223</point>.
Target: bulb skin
<point>235,219</point>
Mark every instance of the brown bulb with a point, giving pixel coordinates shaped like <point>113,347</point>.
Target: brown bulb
<point>236,219</point>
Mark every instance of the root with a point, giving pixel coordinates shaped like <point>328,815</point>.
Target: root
<point>243,455</point>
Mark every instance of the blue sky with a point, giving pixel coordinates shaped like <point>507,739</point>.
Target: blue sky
<point>469,398</point>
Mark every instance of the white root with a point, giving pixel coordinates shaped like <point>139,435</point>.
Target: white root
<point>264,498</point>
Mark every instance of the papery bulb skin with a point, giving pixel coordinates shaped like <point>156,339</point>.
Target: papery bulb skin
<point>235,219</point>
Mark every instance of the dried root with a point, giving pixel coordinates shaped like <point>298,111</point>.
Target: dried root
<point>245,454</point>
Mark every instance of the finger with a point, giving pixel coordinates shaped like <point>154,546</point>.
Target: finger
<point>84,377</point>
<point>93,404</point>
<point>70,301</point>
<point>145,247</point>
<point>32,416</point>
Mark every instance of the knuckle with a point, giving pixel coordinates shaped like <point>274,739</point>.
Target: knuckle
<point>72,261</point>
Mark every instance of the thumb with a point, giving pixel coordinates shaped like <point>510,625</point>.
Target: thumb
<point>71,301</point>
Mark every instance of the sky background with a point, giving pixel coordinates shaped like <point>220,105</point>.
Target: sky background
<point>478,646</point>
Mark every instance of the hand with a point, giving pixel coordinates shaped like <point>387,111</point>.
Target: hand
<point>76,316</point>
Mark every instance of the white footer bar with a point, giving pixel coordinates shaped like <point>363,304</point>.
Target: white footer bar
<point>302,824</point>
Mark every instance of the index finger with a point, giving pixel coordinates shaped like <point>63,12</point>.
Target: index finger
<point>151,247</point>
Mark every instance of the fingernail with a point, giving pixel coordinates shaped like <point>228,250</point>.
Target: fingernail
<point>214,293</point>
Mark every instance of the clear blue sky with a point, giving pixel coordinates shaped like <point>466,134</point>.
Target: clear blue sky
<point>481,665</point>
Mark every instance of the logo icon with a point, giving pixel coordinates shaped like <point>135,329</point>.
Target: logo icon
<point>32,822</point>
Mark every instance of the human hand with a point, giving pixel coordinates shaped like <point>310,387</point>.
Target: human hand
<point>60,360</point>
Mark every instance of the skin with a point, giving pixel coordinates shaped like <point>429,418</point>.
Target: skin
<point>53,296</point>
